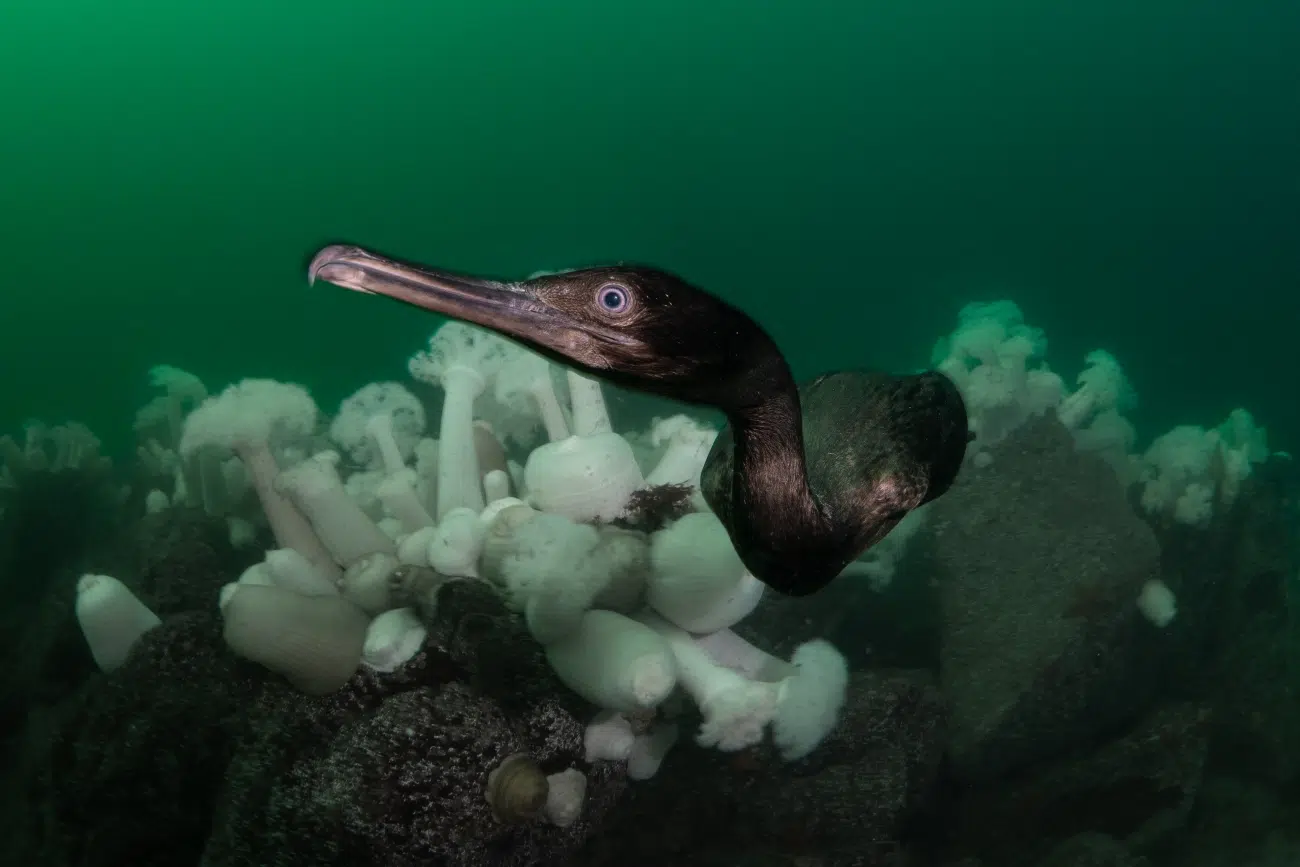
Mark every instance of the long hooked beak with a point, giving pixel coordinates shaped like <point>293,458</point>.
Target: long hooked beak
<point>509,308</point>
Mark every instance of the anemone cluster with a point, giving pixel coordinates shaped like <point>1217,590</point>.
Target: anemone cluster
<point>997,360</point>
<point>599,541</point>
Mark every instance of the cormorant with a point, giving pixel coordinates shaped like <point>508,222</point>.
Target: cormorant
<point>804,478</point>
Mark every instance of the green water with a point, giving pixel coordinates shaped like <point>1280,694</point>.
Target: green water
<point>848,172</point>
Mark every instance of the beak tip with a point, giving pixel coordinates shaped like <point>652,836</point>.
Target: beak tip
<point>325,256</point>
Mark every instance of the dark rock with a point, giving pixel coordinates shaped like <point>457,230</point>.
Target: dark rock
<point>1138,789</point>
<point>850,799</point>
<point>392,769</point>
<point>188,755</point>
<point>1241,822</point>
<point>184,558</point>
<point>1093,850</point>
<point>134,760</point>
<point>1252,675</point>
<point>1039,561</point>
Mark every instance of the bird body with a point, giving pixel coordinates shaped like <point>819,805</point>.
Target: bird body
<point>873,446</point>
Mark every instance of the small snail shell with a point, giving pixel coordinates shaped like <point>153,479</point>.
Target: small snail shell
<point>517,789</point>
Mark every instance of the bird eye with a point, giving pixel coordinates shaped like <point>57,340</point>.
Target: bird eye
<point>613,298</point>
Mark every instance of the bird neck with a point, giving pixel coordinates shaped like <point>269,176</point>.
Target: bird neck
<point>774,507</point>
